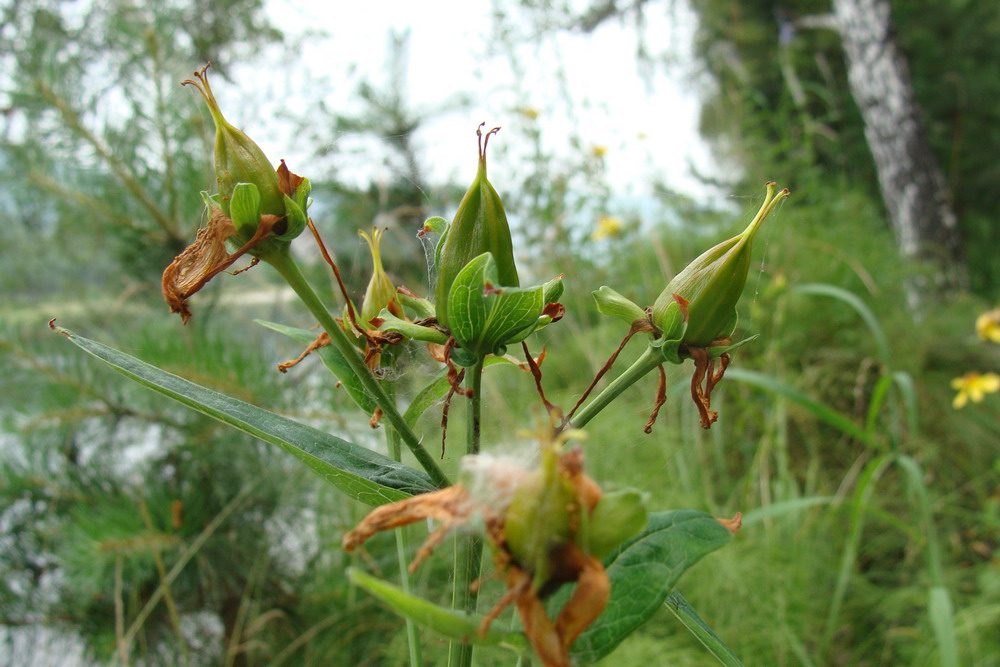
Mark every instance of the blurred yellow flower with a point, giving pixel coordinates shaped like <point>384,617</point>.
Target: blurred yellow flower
<point>598,151</point>
<point>529,112</point>
<point>607,226</point>
<point>974,386</point>
<point>988,325</point>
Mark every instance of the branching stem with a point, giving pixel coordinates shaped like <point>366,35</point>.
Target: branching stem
<point>286,265</point>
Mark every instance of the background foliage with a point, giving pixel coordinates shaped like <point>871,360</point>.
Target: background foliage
<point>106,489</point>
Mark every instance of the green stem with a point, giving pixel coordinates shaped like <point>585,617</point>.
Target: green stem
<point>412,636</point>
<point>468,548</point>
<point>649,360</point>
<point>282,260</point>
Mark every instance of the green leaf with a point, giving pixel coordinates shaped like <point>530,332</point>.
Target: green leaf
<point>719,350</point>
<point>483,315</point>
<point>412,331</point>
<point>610,302</point>
<point>244,206</point>
<point>333,360</point>
<point>446,622</point>
<point>643,571</point>
<point>433,392</point>
<point>784,507</point>
<point>296,219</point>
<point>943,621</point>
<point>302,194</point>
<point>415,307</point>
<point>358,472</point>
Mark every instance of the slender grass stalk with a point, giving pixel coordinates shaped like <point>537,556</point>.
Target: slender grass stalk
<point>120,614</point>
<point>286,265</point>
<point>468,548</point>
<point>182,562</point>
<point>168,598</point>
<point>649,360</point>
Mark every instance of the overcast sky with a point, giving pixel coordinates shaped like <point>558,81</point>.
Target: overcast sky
<point>587,82</point>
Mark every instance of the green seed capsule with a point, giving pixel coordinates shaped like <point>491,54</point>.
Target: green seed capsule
<point>539,516</point>
<point>480,226</point>
<point>710,286</point>
<point>381,293</point>
<point>237,158</point>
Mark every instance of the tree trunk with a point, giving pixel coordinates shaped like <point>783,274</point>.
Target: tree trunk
<point>912,184</point>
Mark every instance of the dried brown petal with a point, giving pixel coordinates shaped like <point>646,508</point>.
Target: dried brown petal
<point>449,506</point>
<point>205,258</point>
<point>288,182</point>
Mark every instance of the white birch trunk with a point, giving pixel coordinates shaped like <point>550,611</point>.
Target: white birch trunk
<point>911,181</point>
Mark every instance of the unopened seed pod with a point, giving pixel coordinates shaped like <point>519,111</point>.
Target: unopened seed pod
<point>705,293</point>
<point>480,226</point>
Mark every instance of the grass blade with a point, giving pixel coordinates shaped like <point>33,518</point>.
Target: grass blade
<point>686,614</point>
<point>819,410</point>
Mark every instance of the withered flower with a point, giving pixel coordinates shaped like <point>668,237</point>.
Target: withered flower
<point>258,210</point>
<point>539,523</point>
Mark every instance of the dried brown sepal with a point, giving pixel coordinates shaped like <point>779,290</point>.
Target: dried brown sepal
<point>705,374</point>
<point>437,351</point>
<point>253,262</point>
<point>205,258</point>
<point>589,599</point>
<point>554,310</point>
<point>352,316</point>
<point>536,373</point>
<point>455,378</point>
<point>661,398</point>
<point>321,340</point>
<point>376,418</point>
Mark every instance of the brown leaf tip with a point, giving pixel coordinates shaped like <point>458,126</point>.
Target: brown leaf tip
<point>732,525</point>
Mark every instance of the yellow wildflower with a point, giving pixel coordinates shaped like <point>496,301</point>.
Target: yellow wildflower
<point>528,112</point>
<point>988,325</point>
<point>598,151</point>
<point>974,386</point>
<point>607,226</point>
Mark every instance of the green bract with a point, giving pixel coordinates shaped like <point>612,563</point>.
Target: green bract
<point>486,316</point>
<point>480,226</point>
<point>698,306</point>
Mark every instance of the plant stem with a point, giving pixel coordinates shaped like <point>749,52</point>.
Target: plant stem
<point>286,265</point>
<point>649,360</point>
<point>468,548</point>
<point>412,636</point>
